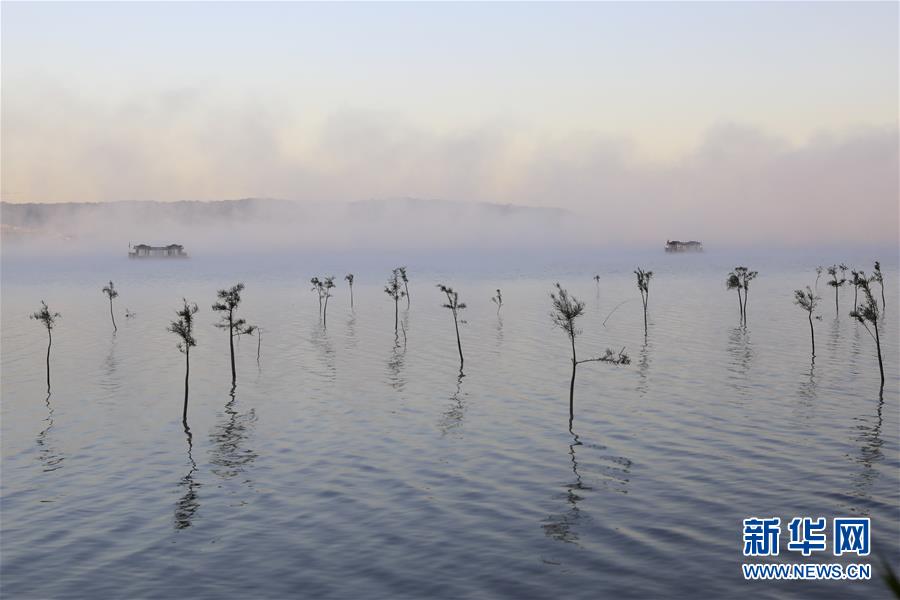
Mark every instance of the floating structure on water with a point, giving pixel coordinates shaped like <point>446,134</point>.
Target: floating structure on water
<point>146,251</point>
<point>677,246</point>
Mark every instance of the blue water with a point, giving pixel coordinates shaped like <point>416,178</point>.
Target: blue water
<point>353,463</point>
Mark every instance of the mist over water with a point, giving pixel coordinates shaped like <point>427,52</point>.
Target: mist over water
<point>350,462</point>
<point>495,148</point>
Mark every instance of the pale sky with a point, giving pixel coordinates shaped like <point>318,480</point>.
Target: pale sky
<point>494,102</point>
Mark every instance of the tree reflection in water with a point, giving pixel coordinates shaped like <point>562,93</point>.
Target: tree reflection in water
<point>643,369</point>
<point>48,455</point>
<point>229,456</point>
<point>453,416</point>
<point>870,454</point>
<point>614,472</point>
<point>187,505</point>
<point>395,364</point>
<point>740,351</point>
<point>807,391</point>
<point>563,526</point>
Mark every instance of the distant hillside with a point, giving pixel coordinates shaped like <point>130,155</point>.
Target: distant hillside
<point>256,223</point>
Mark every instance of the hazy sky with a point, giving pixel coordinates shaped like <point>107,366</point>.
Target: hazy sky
<point>678,106</point>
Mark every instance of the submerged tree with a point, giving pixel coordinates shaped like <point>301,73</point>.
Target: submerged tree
<point>880,279</point>
<point>393,289</point>
<point>349,279</point>
<point>498,300</point>
<point>229,300</point>
<point>318,286</point>
<point>643,283</point>
<point>567,308</point>
<point>48,320</point>
<point>323,288</point>
<point>110,291</point>
<point>596,279</point>
<point>867,313</point>
<point>455,306</point>
<point>743,277</point>
<point>808,301</point>
<point>818,275</point>
<point>746,278</point>
<point>836,284</point>
<point>184,329</point>
<point>405,283</point>
<point>329,285</point>
<point>856,278</point>
<point>733,282</point>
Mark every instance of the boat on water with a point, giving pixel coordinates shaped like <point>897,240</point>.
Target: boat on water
<point>678,246</point>
<point>147,251</point>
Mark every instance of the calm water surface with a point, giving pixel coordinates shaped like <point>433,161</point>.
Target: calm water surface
<point>350,463</point>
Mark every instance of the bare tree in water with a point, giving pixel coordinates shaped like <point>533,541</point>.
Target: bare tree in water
<point>110,291</point>
<point>744,277</point>
<point>643,283</point>
<point>183,327</point>
<point>323,287</point>
<point>856,278</point>
<point>48,320</point>
<point>567,308</point>
<point>733,282</point>
<point>498,300</point>
<point>395,291</point>
<point>880,279</point>
<point>349,279</point>
<point>819,271</point>
<point>229,300</point>
<point>596,279</point>
<point>455,306</point>
<point>808,301</point>
<point>836,284</point>
<point>867,313</point>
<point>405,279</point>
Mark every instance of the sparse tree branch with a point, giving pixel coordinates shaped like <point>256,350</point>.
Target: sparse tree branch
<point>110,291</point>
<point>48,319</point>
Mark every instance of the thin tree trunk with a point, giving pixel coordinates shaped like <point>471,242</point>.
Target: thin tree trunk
<point>258,343</point>
<point>187,373</point>
<point>112,316</point>
<point>746,295</point>
<point>878,347</point>
<point>883,303</point>
<point>740,305</point>
<point>572,384</point>
<point>837,311</point>
<point>458,343</point>
<point>406,289</point>
<point>812,335</point>
<point>231,347</point>
<point>644,300</point>
<point>855,296</point>
<point>351,296</point>
<point>396,313</point>
<point>325,314</point>
<point>49,343</point>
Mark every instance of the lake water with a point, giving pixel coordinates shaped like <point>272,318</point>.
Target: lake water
<point>350,463</point>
